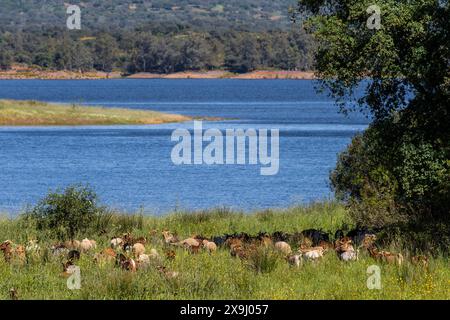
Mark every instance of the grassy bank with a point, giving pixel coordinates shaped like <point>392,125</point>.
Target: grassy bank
<point>218,275</point>
<point>33,113</point>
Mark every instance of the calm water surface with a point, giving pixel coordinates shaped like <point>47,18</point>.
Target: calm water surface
<point>130,166</point>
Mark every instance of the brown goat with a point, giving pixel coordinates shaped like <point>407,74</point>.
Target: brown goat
<point>386,256</point>
<point>125,263</point>
<point>420,260</point>
<point>108,255</point>
<point>170,255</point>
<point>169,238</point>
<point>11,251</point>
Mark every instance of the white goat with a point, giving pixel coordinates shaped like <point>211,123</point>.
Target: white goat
<point>210,246</point>
<point>138,249</point>
<point>283,247</point>
<point>116,243</point>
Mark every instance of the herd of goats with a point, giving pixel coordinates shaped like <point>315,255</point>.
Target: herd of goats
<point>131,254</point>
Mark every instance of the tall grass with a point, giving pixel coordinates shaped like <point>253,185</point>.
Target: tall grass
<point>218,275</point>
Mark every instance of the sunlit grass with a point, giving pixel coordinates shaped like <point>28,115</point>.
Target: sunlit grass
<point>218,275</point>
<point>33,113</point>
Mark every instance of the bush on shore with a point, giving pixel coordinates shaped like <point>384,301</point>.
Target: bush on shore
<point>394,180</point>
<point>67,214</point>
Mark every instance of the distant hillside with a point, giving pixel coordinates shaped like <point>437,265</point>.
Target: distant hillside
<point>252,15</point>
<point>159,36</point>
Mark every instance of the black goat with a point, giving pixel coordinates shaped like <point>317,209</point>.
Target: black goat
<point>358,235</point>
<point>316,236</point>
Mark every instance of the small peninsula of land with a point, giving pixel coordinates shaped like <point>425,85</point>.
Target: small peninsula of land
<point>34,113</point>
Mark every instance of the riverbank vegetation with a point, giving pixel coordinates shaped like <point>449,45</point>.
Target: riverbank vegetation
<point>33,113</point>
<point>161,52</point>
<point>161,37</point>
<point>396,174</point>
<point>180,272</point>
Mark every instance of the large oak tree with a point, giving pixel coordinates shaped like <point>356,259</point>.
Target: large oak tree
<point>398,172</point>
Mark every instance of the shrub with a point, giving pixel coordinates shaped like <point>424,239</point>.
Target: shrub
<point>67,213</point>
<point>393,177</point>
<point>367,186</point>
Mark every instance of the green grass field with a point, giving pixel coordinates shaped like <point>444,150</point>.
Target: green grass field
<point>33,113</point>
<point>218,275</point>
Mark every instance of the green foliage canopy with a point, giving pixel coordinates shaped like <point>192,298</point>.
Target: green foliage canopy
<point>67,214</point>
<point>163,51</point>
<point>398,171</point>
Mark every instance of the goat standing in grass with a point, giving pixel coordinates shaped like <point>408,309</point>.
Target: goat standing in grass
<point>116,243</point>
<point>169,238</point>
<point>349,255</point>
<point>308,254</point>
<point>420,260</point>
<point>312,254</point>
<point>12,251</point>
<point>385,256</point>
<point>138,249</point>
<point>72,244</point>
<point>345,250</point>
<point>295,260</point>
<point>143,261</point>
<point>108,255</point>
<point>87,245</point>
<point>191,244</point>
<point>210,246</point>
<point>283,247</point>
<point>126,263</point>
<point>169,275</point>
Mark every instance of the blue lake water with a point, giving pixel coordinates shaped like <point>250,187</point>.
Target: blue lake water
<point>130,166</point>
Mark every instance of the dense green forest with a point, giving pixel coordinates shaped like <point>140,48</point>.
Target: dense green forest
<point>252,15</point>
<point>167,51</point>
<point>162,36</point>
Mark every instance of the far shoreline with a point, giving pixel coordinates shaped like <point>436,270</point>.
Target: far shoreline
<point>32,73</point>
